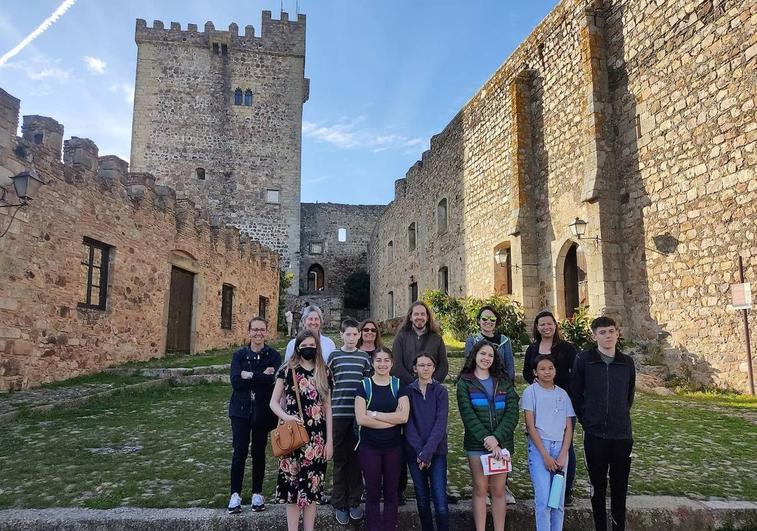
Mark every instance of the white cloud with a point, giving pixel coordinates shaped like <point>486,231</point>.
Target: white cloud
<point>316,180</point>
<point>59,11</point>
<point>346,134</point>
<point>39,68</point>
<point>126,89</point>
<point>95,65</point>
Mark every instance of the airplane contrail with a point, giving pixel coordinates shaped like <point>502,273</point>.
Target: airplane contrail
<point>65,6</point>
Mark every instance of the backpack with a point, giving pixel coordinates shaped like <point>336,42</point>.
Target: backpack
<point>394,385</point>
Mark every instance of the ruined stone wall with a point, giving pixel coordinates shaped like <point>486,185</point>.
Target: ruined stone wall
<point>44,333</point>
<point>637,117</point>
<point>186,117</point>
<point>320,224</point>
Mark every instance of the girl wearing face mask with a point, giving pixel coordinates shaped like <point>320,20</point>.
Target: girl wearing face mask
<point>302,473</point>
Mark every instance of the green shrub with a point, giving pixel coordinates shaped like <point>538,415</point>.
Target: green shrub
<point>457,315</point>
<point>576,329</point>
<point>285,280</point>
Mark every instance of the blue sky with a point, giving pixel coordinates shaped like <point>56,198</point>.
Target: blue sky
<point>385,75</point>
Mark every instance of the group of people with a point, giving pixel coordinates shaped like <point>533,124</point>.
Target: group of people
<point>380,413</point>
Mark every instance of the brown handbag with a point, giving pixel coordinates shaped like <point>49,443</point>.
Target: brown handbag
<point>290,435</point>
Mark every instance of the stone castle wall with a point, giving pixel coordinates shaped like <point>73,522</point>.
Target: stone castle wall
<point>186,117</point>
<point>637,117</point>
<point>44,333</point>
<point>320,224</point>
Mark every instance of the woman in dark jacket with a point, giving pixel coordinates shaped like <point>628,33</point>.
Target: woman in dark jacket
<point>252,382</point>
<point>547,340</point>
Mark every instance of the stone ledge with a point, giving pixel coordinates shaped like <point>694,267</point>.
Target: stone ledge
<point>73,402</point>
<point>644,513</point>
<point>169,372</point>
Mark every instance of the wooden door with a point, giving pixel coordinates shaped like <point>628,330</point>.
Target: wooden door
<point>180,311</point>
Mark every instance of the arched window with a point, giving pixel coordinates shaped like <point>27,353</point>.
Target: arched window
<point>238,97</point>
<point>441,217</point>
<point>248,97</point>
<point>315,278</point>
<point>390,252</point>
<point>200,172</point>
<point>411,237</point>
<point>503,269</point>
<point>444,279</point>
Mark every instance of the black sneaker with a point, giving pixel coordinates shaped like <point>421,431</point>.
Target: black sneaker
<point>452,499</point>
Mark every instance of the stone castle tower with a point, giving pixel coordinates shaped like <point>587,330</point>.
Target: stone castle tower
<point>218,117</point>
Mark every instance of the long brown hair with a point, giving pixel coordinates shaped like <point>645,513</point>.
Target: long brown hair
<point>537,336</point>
<point>378,344</point>
<point>321,376</point>
<point>407,324</point>
<point>497,370</point>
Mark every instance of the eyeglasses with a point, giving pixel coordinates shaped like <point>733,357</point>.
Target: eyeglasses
<point>369,330</point>
<point>257,330</point>
<point>489,319</point>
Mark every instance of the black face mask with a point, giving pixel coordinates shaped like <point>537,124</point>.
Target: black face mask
<point>308,353</point>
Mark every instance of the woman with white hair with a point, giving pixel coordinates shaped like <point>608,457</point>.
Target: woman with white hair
<point>312,320</point>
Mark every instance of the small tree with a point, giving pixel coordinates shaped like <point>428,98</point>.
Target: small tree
<point>285,281</point>
<point>357,291</point>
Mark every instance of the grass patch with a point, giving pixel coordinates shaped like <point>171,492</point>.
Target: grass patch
<point>172,448</point>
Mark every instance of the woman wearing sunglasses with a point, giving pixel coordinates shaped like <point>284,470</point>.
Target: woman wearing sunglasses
<point>488,325</point>
<point>370,339</point>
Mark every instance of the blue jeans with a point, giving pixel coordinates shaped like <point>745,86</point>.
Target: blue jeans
<point>430,483</point>
<point>547,519</point>
<point>570,477</point>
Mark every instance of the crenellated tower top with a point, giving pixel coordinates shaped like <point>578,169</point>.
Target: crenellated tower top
<point>282,35</point>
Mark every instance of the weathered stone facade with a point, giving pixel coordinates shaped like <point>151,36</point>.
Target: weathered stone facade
<point>45,333</point>
<point>320,245</point>
<point>636,116</point>
<point>218,116</point>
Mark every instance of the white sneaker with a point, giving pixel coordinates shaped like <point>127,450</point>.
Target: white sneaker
<point>509,496</point>
<point>258,503</point>
<point>235,503</point>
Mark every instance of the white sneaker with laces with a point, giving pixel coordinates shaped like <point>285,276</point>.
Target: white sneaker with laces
<point>235,503</point>
<point>509,496</point>
<point>258,503</point>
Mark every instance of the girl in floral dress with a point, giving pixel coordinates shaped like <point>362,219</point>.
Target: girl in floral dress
<point>302,473</point>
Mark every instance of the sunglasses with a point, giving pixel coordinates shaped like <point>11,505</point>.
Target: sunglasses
<point>369,330</point>
<point>489,319</point>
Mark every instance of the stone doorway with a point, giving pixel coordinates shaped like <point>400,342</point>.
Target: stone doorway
<point>575,285</point>
<point>315,278</point>
<point>179,335</point>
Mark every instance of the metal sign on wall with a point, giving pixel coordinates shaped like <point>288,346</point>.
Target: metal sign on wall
<point>741,296</point>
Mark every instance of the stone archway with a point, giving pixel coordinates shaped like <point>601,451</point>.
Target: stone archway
<point>316,278</point>
<point>571,281</point>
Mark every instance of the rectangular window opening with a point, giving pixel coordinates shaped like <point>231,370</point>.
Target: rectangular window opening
<point>263,307</point>
<point>95,267</point>
<point>342,235</point>
<point>273,197</point>
<point>227,304</point>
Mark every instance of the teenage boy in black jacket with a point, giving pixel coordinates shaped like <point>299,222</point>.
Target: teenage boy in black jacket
<point>602,385</point>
